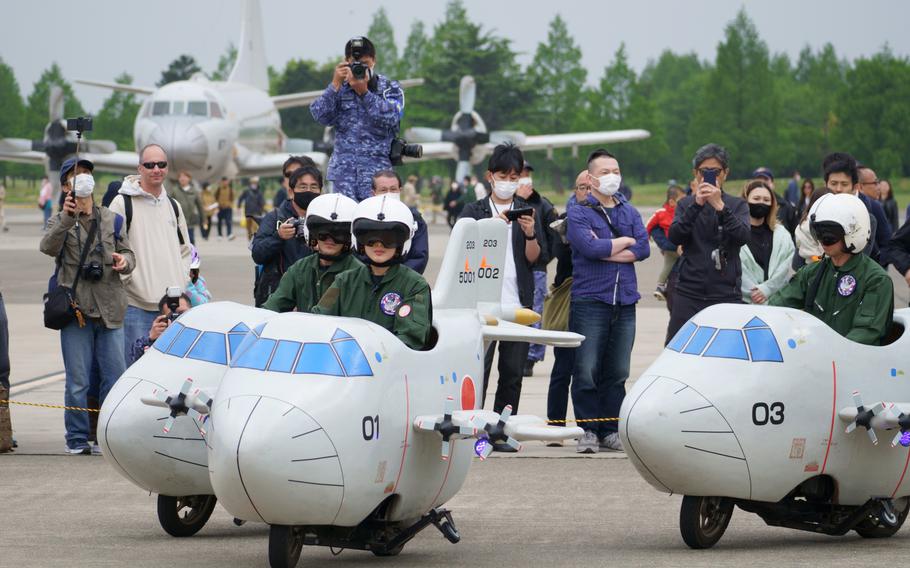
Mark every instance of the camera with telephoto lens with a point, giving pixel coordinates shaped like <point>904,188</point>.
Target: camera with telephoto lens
<point>173,301</point>
<point>400,148</point>
<point>358,69</point>
<point>79,124</point>
<point>93,271</point>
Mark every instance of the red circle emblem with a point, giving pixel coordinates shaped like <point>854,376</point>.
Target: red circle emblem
<point>467,393</point>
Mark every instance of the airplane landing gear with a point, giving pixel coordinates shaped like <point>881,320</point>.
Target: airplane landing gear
<point>703,520</point>
<point>285,544</point>
<point>887,521</point>
<point>185,516</point>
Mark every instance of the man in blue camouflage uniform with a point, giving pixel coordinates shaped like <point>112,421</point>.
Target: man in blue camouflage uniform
<point>365,113</point>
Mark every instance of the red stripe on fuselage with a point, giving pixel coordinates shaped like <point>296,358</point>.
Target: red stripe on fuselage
<point>407,430</point>
<point>833,414</point>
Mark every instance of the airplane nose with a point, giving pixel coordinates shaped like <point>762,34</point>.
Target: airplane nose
<point>272,461</point>
<point>185,144</point>
<point>680,441</point>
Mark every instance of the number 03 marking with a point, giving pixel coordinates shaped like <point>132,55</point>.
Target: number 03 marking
<point>762,413</point>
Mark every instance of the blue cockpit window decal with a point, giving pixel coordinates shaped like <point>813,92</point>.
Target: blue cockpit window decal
<point>341,334</point>
<point>700,340</point>
<point>763,345</point>
<point>284,357</point>
<point>210,347</point>
<point>352,358</point>
<point>183,342</point>
<point>168,336</point>
<point>318,359</point>
<point>256,356</point>
<point>728,344</point>
<point>240,328</point>
<point>755,322</point>
<point>682,336</point>
<point>239,343</point>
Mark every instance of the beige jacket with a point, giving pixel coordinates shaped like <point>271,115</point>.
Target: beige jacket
<point>161,261</point>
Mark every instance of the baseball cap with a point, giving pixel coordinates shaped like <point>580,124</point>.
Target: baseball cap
<point>71,164</point>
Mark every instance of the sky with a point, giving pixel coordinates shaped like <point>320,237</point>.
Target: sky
<point>142,38</point>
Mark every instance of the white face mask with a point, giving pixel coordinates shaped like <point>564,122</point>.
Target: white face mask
<point>83,185</point>
<point>393,195</point>
<point>609,184</point>
<point>505,189</point>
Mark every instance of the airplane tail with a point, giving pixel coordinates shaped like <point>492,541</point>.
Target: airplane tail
<point>250,67</point>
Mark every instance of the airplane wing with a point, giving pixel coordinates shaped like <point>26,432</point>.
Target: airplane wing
<point>507,331</point>
<point>522,427</point>
<point>547,141</point>
<point>118,87</point>
<point>257,164</point>
<point>116,162</point>
<point>307,97</point>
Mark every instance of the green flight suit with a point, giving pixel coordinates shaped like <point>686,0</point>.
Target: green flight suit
<point>400,302</point>
<point>305,282</point>
<point>855,300</point>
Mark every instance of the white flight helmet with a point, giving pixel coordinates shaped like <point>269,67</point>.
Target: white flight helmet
<point>329,210</point>
<point>381,214</point>
<point>846,212</point>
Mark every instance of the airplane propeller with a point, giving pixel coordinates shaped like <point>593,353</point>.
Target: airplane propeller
<point>195,404</point>
<point>903,435</point>
<point>864,416</point>
<point>496,433</point>
<point>447,428</point>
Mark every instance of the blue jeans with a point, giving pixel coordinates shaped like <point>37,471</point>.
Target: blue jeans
<point>537,351</point>
<point>602,362</point>
<point>83,346</point>
<point>136,324</point>
<point>560,379</point>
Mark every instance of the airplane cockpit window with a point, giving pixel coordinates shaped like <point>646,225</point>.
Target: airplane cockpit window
<point>257,355</point>
<point>318,359</point>
<point>754,342</point>
<point>161,108</point>
<point>284,357</point>
<point>197,108</point>
<point>210,347</point>
<point>178,107</point>
<point>352,357</point>
<point>216,110</point>
<point>163,342</point>
<point>183,342</point>
<point>235,337</point>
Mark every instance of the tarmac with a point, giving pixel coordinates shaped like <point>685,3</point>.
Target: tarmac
<point>541,507</point>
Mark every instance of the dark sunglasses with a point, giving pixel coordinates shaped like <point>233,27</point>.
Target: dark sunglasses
<point>151,165</point>
<point>339,237</point>
<point>385,242</point>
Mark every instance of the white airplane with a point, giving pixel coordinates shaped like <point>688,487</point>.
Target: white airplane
<point>468,142</point>
<point>209,128</point>
<point>329,429</point>
<point>759,407</point>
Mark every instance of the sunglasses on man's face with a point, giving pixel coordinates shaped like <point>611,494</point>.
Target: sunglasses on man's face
<point>151,165</point>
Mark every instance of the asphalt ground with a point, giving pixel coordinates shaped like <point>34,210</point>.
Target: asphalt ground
<point>541,507</point>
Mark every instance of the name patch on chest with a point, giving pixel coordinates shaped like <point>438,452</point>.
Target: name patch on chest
<point>846,285</point>
<point>389,303</point>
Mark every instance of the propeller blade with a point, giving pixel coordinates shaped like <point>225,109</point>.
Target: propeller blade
<point>506,413</point>
<point>467,94</point>
<point>427,425</point>
<point>463,169</point>
<point>872,436</point>
<point>513,443</point>
<point>446,449</point>
<point>55,104</point>
<point>487,450</point>
<point>16,145</point>
<point>449,406</point>
<point>169,424</point>
<point>478,422</point>
<point>878,408</point>
<point>896,439</point>
<point>187,385</point>
<point>99,146</point>
<point>467,431</point>
<point>516,137</point>
<point>850,427</point>
<point>421,134</point>
<point>857,398</point>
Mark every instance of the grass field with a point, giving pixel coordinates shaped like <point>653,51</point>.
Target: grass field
<point>25,192</point>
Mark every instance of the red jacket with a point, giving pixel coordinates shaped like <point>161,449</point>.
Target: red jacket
<point>662,218</point>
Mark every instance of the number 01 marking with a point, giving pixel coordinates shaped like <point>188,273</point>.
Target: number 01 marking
<point>370,427</point>
<point>762,413</point>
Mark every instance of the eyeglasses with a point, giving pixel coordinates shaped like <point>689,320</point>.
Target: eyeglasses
<point>312,188</point>
<point>151,165</point>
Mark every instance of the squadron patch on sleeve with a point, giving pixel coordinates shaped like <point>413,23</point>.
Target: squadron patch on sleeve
<point>846,285</point>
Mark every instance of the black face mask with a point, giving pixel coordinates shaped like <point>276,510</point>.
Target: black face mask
<point>759,210</point>
<point>303,198</point>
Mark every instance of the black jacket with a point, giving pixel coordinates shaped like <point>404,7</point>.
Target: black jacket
<point>269,250</point>
<point>898,252</point>
<point>481,210</point>
<point>546,213</point>
<point>700,230</point>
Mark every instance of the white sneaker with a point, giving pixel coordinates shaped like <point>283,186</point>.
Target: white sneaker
<point>611,443</point>
<point>81,450</point>
<point>587,444</point>
<point>231,237</point>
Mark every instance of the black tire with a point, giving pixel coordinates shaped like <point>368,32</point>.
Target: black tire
<point>285,545</point>
<point>703,520</point>
<point>185,516</point>
<point>390,552</point>
<point>874,527</point>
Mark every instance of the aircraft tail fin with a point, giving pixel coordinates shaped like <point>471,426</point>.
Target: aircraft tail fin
<point>250,67</point>
<point>472,269</point>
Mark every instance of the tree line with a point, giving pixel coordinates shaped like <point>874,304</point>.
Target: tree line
<point>764,107</point>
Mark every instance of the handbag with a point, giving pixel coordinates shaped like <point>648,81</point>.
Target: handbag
<point>556,307</point>
<point>60,307</point>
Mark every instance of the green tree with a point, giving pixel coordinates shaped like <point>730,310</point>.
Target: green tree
<point>409,64</point>
<point>118,113</point>
<point>11,119</point>
<point>36,116</point>
<point>738,106</point>
<point>382,34</point>
<point>302,75</point>
<point>225,64</point>
<point>179,69</point>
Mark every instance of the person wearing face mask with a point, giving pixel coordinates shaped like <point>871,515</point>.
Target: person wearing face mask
<point>846,289</point>
<point>523,251</point>
<point>767,256</point>
<point>280,242</point>
<point>92,250</point>
<point>196,290</point>
<point>365,113</point>
<point>711,226</point>
<point>387,182</point>
<point>607,237</point>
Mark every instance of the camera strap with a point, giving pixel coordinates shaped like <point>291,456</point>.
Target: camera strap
<point>88,245</point>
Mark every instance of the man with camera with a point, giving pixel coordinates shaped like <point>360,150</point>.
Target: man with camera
<point>92,250</point>
<point>170,306</point>
<point>365,108</point>
<point>280,240</point>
